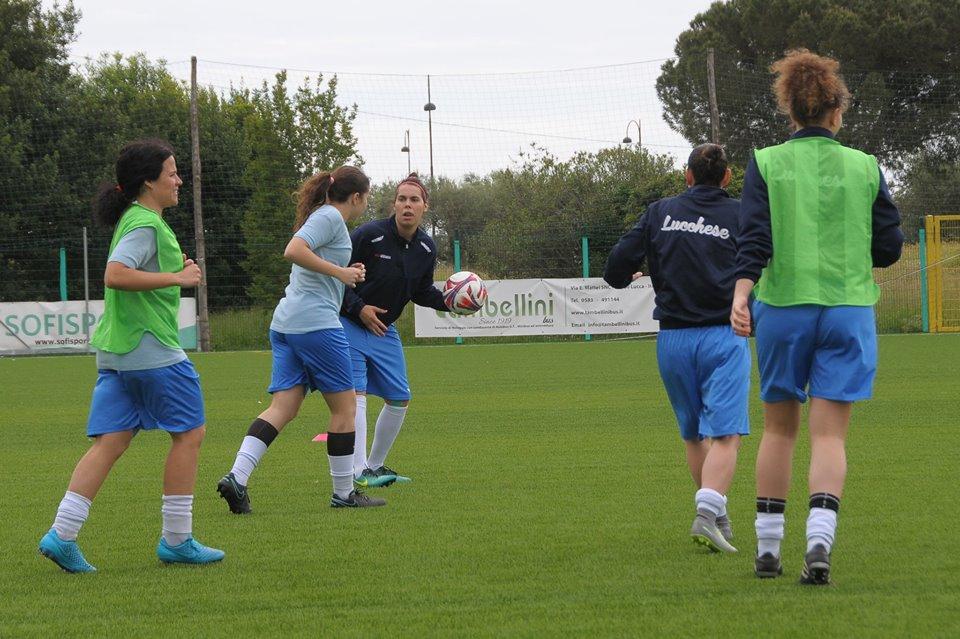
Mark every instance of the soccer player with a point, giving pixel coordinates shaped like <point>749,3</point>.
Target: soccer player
<point>399,259</point>
<point>310,350</point>
<point>816,217</point>
<point>689,243</point>
<point>145,380</point>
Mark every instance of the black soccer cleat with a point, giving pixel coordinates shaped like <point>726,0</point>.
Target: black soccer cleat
<point>236,495</point>
<point>816,567</point>
<point>767,566</point>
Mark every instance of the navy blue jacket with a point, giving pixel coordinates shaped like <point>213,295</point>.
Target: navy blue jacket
<point>398,271</point>
<point>690,244</point>
<point>756,243</point>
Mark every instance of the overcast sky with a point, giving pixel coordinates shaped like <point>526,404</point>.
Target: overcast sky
<point>395,36</point>
<point>482,122</point>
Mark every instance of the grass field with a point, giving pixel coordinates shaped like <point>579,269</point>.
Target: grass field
<point>550,498</point>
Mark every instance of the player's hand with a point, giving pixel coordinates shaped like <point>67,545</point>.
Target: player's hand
<point>189,277</point>
<point>368,315</point>
<point>636,276</point>
<point>740,315</point>
<point>353,274</point>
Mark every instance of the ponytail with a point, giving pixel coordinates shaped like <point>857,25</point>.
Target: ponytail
<point>109,204</point>
<point>138,162</point>
<point>328,187</point>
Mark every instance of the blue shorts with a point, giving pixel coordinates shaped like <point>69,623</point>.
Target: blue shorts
<point>832,350</point>
<point>379,367</point>
<point>706,371</point>
<point>167,398</point>
<point>319,360</point>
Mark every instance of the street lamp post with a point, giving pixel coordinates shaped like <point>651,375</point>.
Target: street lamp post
<point>406,148</point>
<point>430,107</point>
<point>626,137</point>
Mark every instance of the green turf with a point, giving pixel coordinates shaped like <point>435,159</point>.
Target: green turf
<point>550,498</point>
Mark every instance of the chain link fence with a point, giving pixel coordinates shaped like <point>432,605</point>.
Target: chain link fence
<point>521,166</point>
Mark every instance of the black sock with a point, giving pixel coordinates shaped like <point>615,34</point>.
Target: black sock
<point>825,500</point>
<point>262,430</point>
<point>771,505</point>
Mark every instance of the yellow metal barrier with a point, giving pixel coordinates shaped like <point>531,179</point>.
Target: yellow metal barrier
<point>943,272</point>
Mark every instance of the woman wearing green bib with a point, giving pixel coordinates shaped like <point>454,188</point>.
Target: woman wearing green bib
<point>816,217</point>
<point>145,379</point>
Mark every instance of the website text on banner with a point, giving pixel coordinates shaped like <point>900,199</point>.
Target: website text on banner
<point>572,306</point>
<point>32,328</point>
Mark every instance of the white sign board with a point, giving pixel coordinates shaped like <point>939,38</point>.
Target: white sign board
<point>65,327</point>
<point>573,306</point>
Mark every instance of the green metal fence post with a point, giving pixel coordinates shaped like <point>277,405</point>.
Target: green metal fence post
<point>63,274</point>
<point>456,269</point>
<point>585,251</point>
<point>924,299</point>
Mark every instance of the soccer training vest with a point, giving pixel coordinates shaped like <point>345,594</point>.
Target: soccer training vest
<point>821,212</point>
<point>127,314</point>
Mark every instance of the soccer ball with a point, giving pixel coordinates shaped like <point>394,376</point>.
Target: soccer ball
<point>464,293</point>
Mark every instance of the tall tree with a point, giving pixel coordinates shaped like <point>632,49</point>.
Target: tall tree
<point>901,59</point>
<point>36,121</point>
<point>290,138</point>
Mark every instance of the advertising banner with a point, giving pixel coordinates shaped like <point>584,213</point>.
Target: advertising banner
<point>30,328</point>
<point>572,306</point>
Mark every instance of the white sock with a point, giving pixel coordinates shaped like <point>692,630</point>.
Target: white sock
<point>769,533</point>
<point>360,443</point>
<point>251,450</point>
<point>177,511</point>
<point>73,511</point>
<point>821,528</point>
<point>388,426</point>
<point>723,511</point>
<point>709,502</point>
<point>341,469</point>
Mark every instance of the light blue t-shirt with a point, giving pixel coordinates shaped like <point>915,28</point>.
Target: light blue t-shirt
<point>312,301</point>
<point>138,249</point>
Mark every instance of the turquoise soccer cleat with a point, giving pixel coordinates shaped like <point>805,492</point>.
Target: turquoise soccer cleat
<point>65,554</point>
<point>375,478</point>
<point>386,470</point>
<point>189,552</point>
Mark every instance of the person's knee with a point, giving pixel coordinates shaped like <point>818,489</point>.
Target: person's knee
<point>113,445</point>
<point>193,437</point>
<point>341,422</point>
<point>286,406</point>
<point>726,441</point>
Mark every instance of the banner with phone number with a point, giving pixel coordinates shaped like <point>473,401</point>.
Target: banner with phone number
<point>570,306</point>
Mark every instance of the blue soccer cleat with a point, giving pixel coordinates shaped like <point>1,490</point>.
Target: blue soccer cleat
<point>189,552</point>
<point>65,554</point>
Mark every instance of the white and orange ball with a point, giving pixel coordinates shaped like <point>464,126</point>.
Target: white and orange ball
<point>464,293</point>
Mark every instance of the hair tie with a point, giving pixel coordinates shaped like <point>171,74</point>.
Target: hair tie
<point>415,182</point>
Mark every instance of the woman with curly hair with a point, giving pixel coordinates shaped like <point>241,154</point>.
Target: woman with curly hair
<point>816,217</point>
